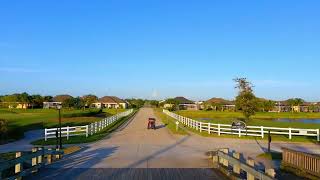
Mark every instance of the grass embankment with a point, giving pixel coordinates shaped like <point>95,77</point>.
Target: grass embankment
<point>83,139</point>
<point>229,117</point>
<point>168,121</point>
<point>260,119</point>
<point>20,121</point>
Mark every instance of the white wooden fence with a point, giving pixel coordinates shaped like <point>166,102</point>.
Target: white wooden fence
<point>258,131</point>
<point>85,130</point>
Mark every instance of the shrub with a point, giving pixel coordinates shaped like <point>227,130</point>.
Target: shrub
<point>3,130</point>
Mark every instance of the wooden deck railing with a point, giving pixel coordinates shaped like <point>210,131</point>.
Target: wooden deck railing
<point>27,163</point>
<point>300,161</point>
<point>222,160</point>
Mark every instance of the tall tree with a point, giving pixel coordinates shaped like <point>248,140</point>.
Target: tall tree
<point>89,99</point>
<point>295,102</point>
<point>246,101</point>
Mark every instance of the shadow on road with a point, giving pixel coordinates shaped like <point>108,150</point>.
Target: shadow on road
<point>71,167</point>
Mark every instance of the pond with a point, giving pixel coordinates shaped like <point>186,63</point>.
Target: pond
<point>306,121</point>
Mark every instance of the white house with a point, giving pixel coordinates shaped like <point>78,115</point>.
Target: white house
<point>110,102</point>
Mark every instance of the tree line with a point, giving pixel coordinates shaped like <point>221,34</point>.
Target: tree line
<point>36,100</point>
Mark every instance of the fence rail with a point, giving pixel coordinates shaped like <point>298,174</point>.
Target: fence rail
<point>258,131</point>
<point>301,161</point>
<point>223,160</point>
<point>87,129</point>
<point>27,163</point>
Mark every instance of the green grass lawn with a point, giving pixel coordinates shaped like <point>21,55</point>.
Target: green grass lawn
<point>259,115</point>
<point>20,121</point>
<point>168,121</point>
<point>84,139</point>
<point>260,119</point>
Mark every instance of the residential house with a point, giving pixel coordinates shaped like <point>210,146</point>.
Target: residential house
<point>184,104</point>
<point>51,105</point>
<point>110,102</point>
<point>220,104</point>
<point>284,106</point>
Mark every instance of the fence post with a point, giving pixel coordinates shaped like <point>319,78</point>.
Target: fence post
<point>236,168</point>
<point>34,159</point>
<point>318,133</point>
<point>18,167</point>
<point>67,132</point>
<point>262,132</point>
<point>239,130</point>
<point>45,134</point>
<point>196,123</point>
<point>40,157</point>
<point>224,161</point>
<point>87,130</point>
<point>270,172</point>
<point>219,130</point>
<point>290,135</point>
<point>250,162</point>
<point>49,157</point>
<point>200,126</point>
<point>209,128</point>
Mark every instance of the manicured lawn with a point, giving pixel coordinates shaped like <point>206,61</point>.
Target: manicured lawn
<point>83,139</point>
<point>20,121</point>
<point>168,121</point>
<point>259,115</point>
<point>260,119</point>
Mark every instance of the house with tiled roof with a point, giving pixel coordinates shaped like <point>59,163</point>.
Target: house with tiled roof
<point>183,104</point>
<point>110,102</point>
<point>221,104</point>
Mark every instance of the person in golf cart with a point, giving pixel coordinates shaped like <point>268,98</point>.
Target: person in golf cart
<point>152,123</point>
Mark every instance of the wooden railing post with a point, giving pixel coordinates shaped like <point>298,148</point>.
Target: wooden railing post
<point>18,167</point>
<point>250,162</point>
<point>49,157</point>
<point>223,161</point>
<point>34,159</point>
<point>200,123</point>
<point>262,132</point>
<point>271,173</point>
<point>209,128</point>
<point>219,130</point>
<point>40,157</point>
<point>236,168</point>
<point>318,135</point>
<point>57,155</point>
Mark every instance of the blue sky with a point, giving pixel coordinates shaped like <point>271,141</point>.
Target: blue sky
<point>159,49</point>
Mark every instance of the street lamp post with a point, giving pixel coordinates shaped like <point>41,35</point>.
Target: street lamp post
<point>60,137</point>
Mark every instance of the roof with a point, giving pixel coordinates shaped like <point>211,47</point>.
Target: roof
<point>111,99</point>
<point>220,101</point>
<point>61,98</point>
<point>183,100</point>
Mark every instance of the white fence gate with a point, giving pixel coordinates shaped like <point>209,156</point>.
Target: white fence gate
<point>258,131</point>
<point>85,130</point>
